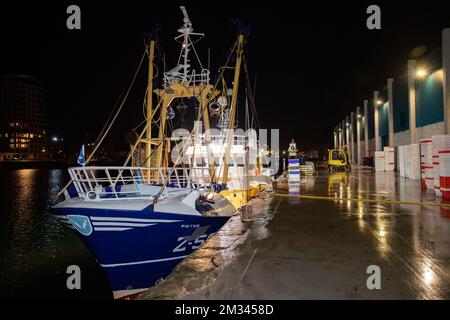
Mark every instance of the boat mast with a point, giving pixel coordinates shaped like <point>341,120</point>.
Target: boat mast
<point>185,31</point>
<point>232,117</point>
<point>181,82</point>
<point>149,115</point>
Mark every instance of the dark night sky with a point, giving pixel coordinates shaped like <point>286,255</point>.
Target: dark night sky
<point>315,61</point>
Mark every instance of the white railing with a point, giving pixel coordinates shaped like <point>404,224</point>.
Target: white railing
<point>106,183</point>
<point>187,80</point>
<point>237,140</point>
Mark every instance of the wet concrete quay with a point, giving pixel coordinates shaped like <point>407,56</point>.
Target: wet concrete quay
<point>298,248</point>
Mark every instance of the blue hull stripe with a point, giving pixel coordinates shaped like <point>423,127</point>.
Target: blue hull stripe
<point>122,224</point>
<point>131,219</point>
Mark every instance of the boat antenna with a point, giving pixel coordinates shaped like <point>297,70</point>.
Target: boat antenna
<point>209,58</point>
<point>182,71</point>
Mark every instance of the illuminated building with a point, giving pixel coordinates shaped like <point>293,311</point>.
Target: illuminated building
<point>23,120</point>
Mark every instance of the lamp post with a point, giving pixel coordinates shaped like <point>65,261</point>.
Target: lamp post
<point>376,107</point>
<point>335,138</point>
<point>352,134</point>
<point>366,128</point>
<point>358,136</point>
<point>390,112</point>
<point>412,99</point>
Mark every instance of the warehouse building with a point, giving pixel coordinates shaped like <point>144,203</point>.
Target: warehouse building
<point>420,100</point>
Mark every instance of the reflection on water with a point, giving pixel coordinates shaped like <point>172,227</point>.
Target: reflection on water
<point>294,188</point>
<point>413,236</point>
<point>307,183</point>
<point>336,183</point>
<point>35,250</point>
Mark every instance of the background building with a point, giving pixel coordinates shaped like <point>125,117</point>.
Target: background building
<point>412,106</point>
<point>23,119</point>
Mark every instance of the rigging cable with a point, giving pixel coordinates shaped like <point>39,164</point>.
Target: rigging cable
<point>105,129</point>
<point>117,112</point>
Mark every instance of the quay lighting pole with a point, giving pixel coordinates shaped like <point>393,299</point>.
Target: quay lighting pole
<point>390,112</point>
<point>335,139</point>
<point>366,128</point>
<point>352,135</point>
<point>376,109</point>
<point>347,134</point>
<point>412,99</point>
<point>358,136</point>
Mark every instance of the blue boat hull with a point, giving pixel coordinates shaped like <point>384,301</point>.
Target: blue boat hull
<point>138,248</point>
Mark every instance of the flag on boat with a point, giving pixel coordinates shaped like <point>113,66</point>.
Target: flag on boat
<point>81,157</point>
<point>138,177</point>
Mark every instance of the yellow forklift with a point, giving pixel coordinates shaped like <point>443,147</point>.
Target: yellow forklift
<point>338,160</point>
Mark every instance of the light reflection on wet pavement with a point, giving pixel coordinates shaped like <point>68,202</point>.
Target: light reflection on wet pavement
<point>318,249</point>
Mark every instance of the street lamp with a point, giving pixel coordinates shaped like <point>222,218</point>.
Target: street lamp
<point>421,73</point>
<point>379,102</point>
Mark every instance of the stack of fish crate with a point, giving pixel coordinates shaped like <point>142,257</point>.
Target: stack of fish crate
<point>307,169</point>
<point>294,170</point>
<point>401,161</point>
<point>444,173</point>
<point>437,145</point>
<point>414,161</point>
<point>426,162</point>
<point>389,157</point>
<point>441,165</point>
<point>407,160</point>
<point>380,163</point>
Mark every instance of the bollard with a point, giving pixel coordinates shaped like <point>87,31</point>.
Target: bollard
<point>246,213</point>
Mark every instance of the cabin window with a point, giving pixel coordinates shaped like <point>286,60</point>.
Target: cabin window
<point>335,155</point>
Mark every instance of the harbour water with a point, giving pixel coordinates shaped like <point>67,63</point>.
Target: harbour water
<point>35,250</point>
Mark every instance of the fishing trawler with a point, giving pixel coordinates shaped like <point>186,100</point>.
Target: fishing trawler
<point>141,220</point>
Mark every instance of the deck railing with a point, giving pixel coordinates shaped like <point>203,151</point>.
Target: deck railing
<point>187,80</point>
<point>96,183</point>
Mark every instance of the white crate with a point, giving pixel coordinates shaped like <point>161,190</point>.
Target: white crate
<point>380,163</point>
<point>414,161</point>
<point>389,158</point>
